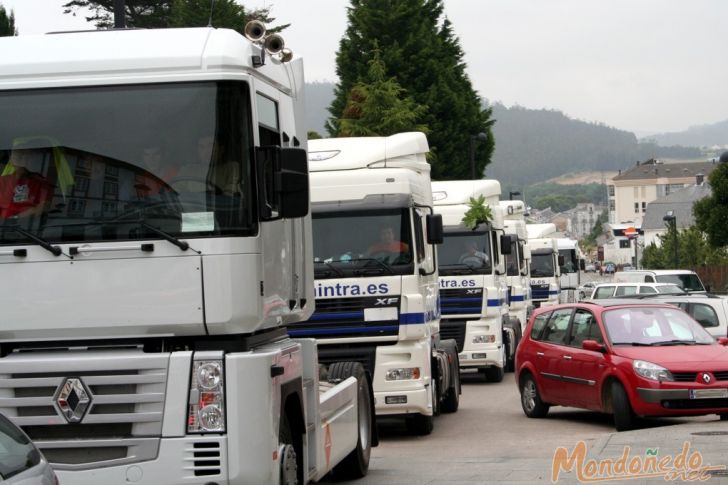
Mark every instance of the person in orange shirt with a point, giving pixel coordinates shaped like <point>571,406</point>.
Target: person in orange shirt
<point>22,191</point>
<point>387,243</point>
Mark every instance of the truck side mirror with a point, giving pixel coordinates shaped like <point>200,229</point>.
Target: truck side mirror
<point>505,244</point>
<point>435,231</point>
<point>582,264</point>
<point>282,179</point>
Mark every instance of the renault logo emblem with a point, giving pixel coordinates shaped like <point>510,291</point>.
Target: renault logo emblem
<point>72,399</point>
<point>706,378</point>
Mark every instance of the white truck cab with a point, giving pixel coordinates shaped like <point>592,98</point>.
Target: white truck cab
<point>158,243</point>
<point>518,264</point>
<point>571,269</point>
<point>473,287</point>
<point>376,284</point>
<point>545,264</point>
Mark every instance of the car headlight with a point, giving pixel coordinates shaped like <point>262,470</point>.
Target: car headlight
<point>648,370</point>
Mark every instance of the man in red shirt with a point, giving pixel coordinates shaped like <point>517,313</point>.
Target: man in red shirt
<point>22,192</point>
<point>387,243</point>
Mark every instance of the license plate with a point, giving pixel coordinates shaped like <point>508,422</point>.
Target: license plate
<point>708,393</point>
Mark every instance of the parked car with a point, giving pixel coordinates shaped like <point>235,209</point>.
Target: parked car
<point>590,268</point>
<point>685,279</point>
<point>618,290</point>
<point>586,290</point>
<point>610,268</point>
<point>630,359</point>
<point>21,462</point>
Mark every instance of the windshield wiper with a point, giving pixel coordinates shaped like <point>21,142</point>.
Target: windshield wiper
<point>55,250</point>
<point>673,342</point>
<point>326,273</point>
<point>459,268</point>
<point>381,264</point>
<point>633,344</point>
<point>183,245</point>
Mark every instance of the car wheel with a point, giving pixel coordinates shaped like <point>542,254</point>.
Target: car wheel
<point>624,418</point>
<point>531,401</point>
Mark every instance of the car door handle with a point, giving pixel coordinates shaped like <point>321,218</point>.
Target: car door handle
<point>540,354</point>
<point>567,357</point>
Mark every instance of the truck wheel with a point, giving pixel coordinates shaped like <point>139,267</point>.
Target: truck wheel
<point>420,424</point>
<point>624,418</point>
<point>287,453</point>
<point>356,463</point>
<point>451,401</point>
<point>531,401</point>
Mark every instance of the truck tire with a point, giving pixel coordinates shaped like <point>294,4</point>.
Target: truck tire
<point>624,418</point>
<point>451,400</point>
<point>288,459</point>
<point>356,463</point>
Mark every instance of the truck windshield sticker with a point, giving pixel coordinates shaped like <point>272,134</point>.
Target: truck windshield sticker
<point>340,289</point>
<point>198,221</point>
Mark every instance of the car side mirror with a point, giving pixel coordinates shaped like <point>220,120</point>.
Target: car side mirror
<point>593,346</point>
<point>505,244</point>
<point>435,231</point>
<point>723,341</point>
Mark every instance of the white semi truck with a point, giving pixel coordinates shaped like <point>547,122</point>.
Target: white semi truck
<point>473,286</point>
<point>155,240</point>
<point>518,264</point>
<point>374,235</point>
<point>571,268</point>
<point>545,264</point>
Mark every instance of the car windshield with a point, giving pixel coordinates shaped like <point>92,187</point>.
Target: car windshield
<point>688,282</point>
<point>362,243</point>
<point>542,264</point>
<point>106,163</point>
<point>466,252</point>
<point>669,289</point>
<point>17,453</point>
<point>636,325</point>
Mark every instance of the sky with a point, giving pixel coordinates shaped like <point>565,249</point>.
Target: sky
<point>647,66</point>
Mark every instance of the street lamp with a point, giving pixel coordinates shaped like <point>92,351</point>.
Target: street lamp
<point>479,137</point>
<point>671,221</point>
<point>511,194</point>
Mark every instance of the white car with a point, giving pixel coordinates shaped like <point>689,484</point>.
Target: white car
<point>710,311</point>
<point>20,461</point>
<point>618,290</point>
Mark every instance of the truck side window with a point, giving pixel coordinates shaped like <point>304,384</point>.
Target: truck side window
<point>495,252</point>
<point>269,129</point>
<point>419,236</point>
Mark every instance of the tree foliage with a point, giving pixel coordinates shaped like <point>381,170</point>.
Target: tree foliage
<point>693,250</point>
<point>477,213</point>
<point>7,23</point>
<point>711,213</point>
<point>151,14</point>
<point>377,106</point>
<point>562,197</point>
<point>419,49</point>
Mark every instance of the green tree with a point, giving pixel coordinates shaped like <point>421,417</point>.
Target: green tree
<point>377,107</point>
<point>711,213</point>
<point>693,250</point>
<point>7,23</point>
<point>418,48</point>
<point>151,14</point>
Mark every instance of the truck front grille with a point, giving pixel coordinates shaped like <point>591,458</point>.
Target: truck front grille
<point>453,329</point>
<point>461,301</point>
<point>345,317</point>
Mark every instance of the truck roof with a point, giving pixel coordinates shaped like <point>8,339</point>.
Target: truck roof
<point>403,150</point>
<point>453,192</point>
<point>540,230</point>
<point>566,243</point>
<point>514,209</point>
<point>116,56</point>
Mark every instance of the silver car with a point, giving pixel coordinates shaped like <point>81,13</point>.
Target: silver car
<point>20,461</point>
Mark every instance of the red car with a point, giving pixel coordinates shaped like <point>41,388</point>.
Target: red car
<point>627,359</point>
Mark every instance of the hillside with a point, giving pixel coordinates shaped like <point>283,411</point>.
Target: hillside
<point>701,135</point>
<point>536,145</point>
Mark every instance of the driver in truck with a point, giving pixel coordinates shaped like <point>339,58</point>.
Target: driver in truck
<point>473,257</point>
<point>387,243</point>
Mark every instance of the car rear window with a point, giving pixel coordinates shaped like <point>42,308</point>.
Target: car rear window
<point>604,292</point>
<point>704,314</point>
<point>625,290</point>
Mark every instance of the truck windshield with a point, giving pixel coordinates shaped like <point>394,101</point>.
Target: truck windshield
<point>542,264</point>
<point>116,162</point>
<point>362,243</point>
<point>465,253</point>
<point>688,282</point>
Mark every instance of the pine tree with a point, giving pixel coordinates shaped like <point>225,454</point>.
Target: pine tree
<point>420,50</point>
<point>7,23</point>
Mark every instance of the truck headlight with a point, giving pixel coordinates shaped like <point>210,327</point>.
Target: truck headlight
<point>207,397</point>
<point>648,370</point>
<point>484,339</point>
<point>403,373</point>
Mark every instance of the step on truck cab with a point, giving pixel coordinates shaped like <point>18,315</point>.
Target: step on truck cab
<point>571,269</point>
<point>545,264</point>
<point>155,240</point>
<point>374,235</point>
<point>518,265</point>
<point>473,287</point>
